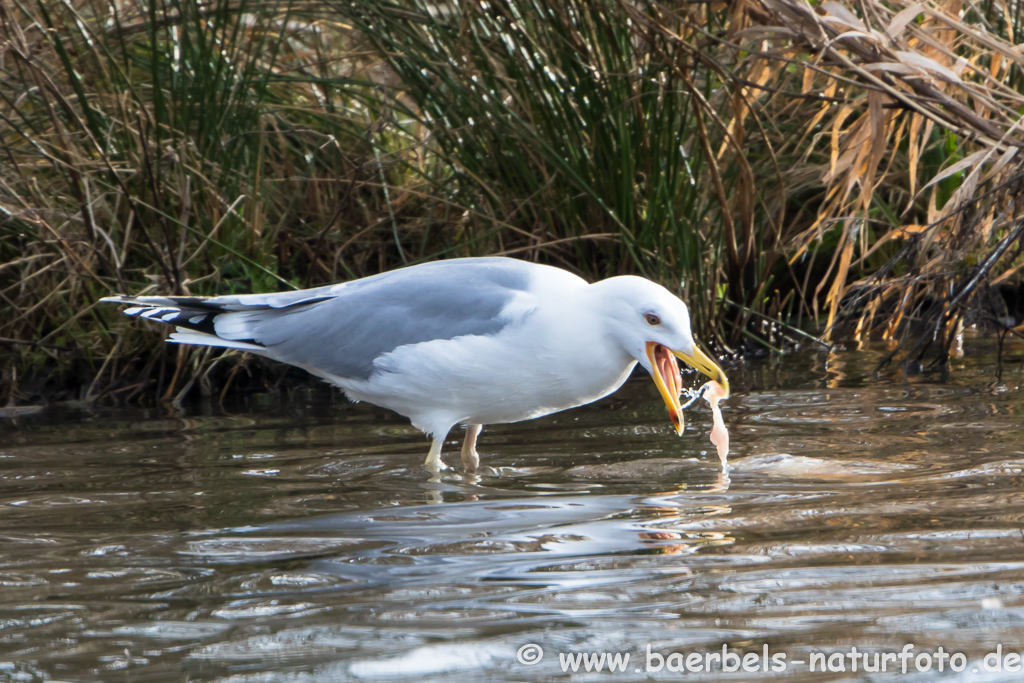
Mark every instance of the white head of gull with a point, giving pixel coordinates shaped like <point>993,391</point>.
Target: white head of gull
<point>470,341</point>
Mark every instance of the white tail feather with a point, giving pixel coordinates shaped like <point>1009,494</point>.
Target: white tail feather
<point>183,336</point>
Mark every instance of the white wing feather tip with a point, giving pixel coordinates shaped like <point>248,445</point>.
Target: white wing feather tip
<point>185,336</point>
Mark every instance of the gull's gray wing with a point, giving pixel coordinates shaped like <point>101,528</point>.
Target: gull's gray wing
<point>367,318</point>
<point>342,329</point>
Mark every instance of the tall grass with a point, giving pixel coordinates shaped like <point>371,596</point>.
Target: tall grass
<point>848,167</point>
<point>179,147</point>
<point>590,122</point>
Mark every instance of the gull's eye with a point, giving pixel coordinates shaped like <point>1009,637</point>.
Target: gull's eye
<point>652,319</point>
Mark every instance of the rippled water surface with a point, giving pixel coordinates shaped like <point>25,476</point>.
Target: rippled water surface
<point>299,539</point>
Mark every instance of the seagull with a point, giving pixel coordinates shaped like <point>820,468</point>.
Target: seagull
<point>465,341</point>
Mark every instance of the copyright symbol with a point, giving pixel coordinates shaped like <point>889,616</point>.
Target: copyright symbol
<point>530,654</point>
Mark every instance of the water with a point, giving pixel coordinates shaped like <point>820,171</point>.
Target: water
<point>300,540</point>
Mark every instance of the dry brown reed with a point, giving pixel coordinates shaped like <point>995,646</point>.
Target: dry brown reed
<point>910,122</point>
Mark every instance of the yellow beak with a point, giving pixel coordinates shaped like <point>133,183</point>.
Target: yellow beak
<point>667,379</point>
<point>702,363</point>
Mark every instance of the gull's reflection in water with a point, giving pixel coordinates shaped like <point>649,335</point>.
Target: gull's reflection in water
<point>470,485</point>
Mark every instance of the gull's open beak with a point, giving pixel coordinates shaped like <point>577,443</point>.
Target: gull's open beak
<point>669,383</point>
